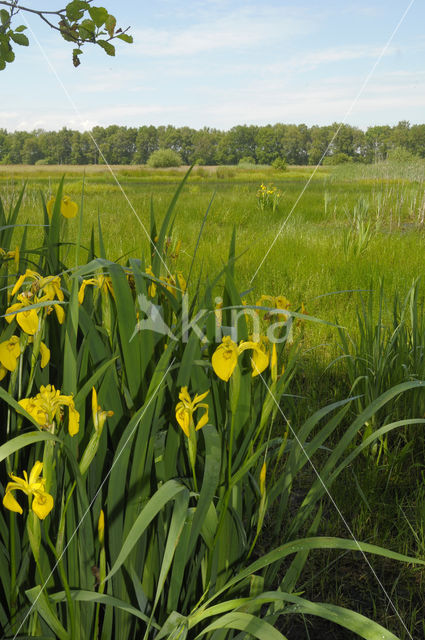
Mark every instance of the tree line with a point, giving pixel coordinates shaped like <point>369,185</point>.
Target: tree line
<point>296,144</point>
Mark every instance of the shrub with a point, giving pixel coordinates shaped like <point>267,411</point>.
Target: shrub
<point>162,158</point>
<point>42,162</point>
<point>337,158</point>
<point>280,164</point>
<point>246,160</point>
<point>400,154</point>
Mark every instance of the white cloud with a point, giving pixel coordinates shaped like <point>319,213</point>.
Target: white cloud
<point>244,28</point>
<point>89,118</point>
<point>388,98</point>
<point>313,59</point>
<point>7,115</point>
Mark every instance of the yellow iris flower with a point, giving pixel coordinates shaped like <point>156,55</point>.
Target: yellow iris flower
<point>45,407</point>
<point>9,255</point>
<point>49,285</point>
<point>103,283</point>
<point>187,407</point>
<point>69,208</point>
<point>172,287</point>
<point>226,355</point>
<point>278,302</point>
<point>42,502</point>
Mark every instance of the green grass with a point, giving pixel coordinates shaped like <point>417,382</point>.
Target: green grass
<point>308,261</point>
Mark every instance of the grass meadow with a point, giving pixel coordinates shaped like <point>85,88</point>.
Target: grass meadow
<point>350,250</point>
<point>320,255</point>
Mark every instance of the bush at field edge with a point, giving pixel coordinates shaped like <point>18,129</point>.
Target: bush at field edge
<point>163,158</point>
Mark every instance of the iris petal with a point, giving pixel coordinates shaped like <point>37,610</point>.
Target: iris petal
<point>224,359</point>
<point>42,504</point>
<point>10,502</point>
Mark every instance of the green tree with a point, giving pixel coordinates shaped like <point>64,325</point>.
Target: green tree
<point>122,146</point>
<point>320,138</point>
<point>146,144</point>
<point>48,141</point>
<point>4,144</point>
<point>79,22</point>
<point>204,146</point>
<point>377,143</point>
<point>64,146</point>
<point>267,144</point>
<point>225,153</point>
<point>349,141</point>
<point>77,157</point>
<point>417,140</point>
<point>100,136</point>
<point>16,144</point>
<point>31,151</point>
<point>177,139</point>
<point>400,134</point>
<point>240,141</point>
<point>293,143</point>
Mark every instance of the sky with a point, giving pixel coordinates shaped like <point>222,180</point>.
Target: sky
<point>220,63</point>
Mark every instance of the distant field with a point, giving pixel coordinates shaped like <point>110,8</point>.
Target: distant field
<point>320,256</point>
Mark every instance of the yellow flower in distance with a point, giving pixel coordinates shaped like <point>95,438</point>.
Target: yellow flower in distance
<point>42,502</point>
<point>69,208</point>
<point>226,355</point>
<point>187,407</point>
<point>103,283</point>
<point>9,255</point>
<point>9,353</point>
<point>278,302</point>
<point>172,287</point>
<point>45,407</point>
<point>152,286</point>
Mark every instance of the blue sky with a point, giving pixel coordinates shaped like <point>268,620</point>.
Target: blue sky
<point>219,63</point>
